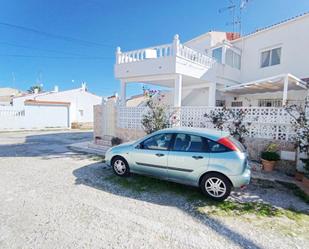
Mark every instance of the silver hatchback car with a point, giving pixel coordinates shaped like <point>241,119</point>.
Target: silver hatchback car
<point>208,159</point>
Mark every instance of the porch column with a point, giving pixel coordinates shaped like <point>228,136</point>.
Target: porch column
<point>123,93</point>
<point>285,90</point>
<point>212,94</point>
<point>177,90</point>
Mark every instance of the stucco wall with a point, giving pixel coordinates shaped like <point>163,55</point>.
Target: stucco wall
<point>37,117</point>
<point>292,37</point>
<point>82,102</point>
<point>98,121</point>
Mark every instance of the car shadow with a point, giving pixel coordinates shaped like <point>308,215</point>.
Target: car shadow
<point>99,176</point>
<point>40,143</point>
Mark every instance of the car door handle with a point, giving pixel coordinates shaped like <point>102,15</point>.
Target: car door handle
<point>197,157</point>
<point>159,154</point>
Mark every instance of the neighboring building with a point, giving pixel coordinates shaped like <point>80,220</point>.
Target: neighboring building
<point>268,67</point>
<point>80,102</point>
<point>7,94</point>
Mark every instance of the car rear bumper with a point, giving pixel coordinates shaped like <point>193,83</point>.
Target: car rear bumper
<point>241,180</point>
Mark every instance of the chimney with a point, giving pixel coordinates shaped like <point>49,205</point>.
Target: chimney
<point>56,89</point>
<point>36,90</point>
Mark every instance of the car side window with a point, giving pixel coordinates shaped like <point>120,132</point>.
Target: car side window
<point>189,143</point>
<point>216,147</point>
<point>157,142</point>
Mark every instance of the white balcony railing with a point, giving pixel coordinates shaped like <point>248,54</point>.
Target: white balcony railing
<point>172,49</point>
<point>146,53</point>
<point>194,56</point>
<point>263,122</point>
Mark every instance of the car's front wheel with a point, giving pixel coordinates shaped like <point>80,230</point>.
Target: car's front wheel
<point>120,166</point>
<point>216,186</point>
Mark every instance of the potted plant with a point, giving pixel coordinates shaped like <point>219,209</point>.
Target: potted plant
<point>269,157</point>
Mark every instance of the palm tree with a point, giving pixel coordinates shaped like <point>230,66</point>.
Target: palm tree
<point>35,89</point>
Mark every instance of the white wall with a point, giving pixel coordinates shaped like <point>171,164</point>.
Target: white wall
<point>81,101</point>
<point>292,37</point>
<point>204,42</point>
<point>36,117</point>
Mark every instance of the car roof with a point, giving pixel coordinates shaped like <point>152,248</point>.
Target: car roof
<point>209,133</point>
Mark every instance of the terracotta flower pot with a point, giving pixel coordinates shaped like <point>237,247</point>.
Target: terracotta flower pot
<point>306,182</point>
<point>268,166</point>
<point>299,176</point>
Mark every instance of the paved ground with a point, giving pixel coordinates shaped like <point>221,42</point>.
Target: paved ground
<point>51,197</point>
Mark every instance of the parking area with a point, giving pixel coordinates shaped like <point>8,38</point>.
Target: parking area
<point>52,197</point>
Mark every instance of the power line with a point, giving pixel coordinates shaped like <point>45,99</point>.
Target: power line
<point>40,49</point>
<point>57,57</point>
<point>55,36</point>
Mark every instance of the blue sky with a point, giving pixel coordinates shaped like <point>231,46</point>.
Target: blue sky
<point>130,24</point>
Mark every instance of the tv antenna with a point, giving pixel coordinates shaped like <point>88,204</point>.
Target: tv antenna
<point>232,9</point>
<point>236,12</point>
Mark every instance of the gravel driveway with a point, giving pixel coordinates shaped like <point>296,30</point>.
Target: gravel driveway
<point>51,197</point>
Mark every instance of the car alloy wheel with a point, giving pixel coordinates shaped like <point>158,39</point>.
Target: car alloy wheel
<point>120,167</point>
<point>215,187</point>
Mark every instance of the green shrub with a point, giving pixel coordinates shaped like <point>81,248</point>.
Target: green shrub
<point>270,156</point>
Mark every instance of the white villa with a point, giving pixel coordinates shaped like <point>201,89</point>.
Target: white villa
<point>80,104</point>
<point>259,73</point>
<point>267,68</point>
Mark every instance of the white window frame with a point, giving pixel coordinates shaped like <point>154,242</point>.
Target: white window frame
<point>234,53</point>
<point>270,49</point>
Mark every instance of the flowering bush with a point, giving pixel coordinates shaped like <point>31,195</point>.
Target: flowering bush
<point>158,116</point>
<point>300,122</point>
<point>231,120</point>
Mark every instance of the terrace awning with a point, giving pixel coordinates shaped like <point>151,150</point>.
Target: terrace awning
<point>282,82</point>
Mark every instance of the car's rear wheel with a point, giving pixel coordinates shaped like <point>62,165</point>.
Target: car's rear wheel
<point>216,186</point>
<point>120,166</point>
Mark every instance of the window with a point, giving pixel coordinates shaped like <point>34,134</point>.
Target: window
<point>271,57</point>
<point>236,103</point>
<point>157,142</point>
<point>232,59</point>
<point>215,147</point>
<point>189,143</point>
<point>220,103</point>
<point>217,54</point>
<point>270,102</point>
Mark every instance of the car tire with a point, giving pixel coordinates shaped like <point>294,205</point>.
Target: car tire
<point>216,186</point>
<point>120,166</point>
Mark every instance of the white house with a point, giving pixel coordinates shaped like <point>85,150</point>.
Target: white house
<point>268,67</point>
<point>80,102</point>
<point>7,94</point>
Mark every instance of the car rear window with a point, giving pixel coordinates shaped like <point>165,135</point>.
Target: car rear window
<point>216,147</point>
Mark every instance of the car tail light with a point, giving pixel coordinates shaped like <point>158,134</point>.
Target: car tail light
<point>228,143</point>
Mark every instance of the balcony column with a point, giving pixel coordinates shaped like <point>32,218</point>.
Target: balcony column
<point>212,94</point>
<point>123,93</point>
<point>285,90</point>
<point>177,90</point>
